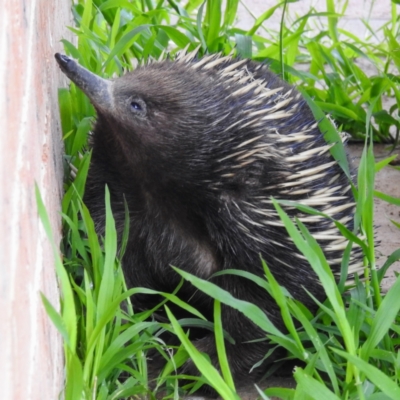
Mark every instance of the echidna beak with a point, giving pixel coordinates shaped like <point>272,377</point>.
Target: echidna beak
<point>96,88</point>
<point>63,61</point>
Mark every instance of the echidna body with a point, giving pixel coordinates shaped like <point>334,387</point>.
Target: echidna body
<point>198,147</point>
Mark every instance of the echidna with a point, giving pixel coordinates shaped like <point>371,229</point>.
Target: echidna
<point>198,147</point>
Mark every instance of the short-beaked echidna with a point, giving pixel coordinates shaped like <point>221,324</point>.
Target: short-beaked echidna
<point>198,147</point>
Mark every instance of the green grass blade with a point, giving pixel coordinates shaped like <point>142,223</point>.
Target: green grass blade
<point>375,375</point>
<point>124,338</point>
<point>243,45</point>
<point>110,244</point>
<point>87,13</point>
<point>389,199</point>
<point>75,384</point>
<point>64,101</point>
<point>382,164</point>
<point>279,296</point>
<point>230,12</point>
<point>314,389</point>
<point>311,250</point>
<point>125,42</point>
<point>213,17</point>
<point>281,393</point>
<point>200,28</point>
<point>176,36</point>
<point>330,134</point>
<point>56,319</point>
<point>250,310</point>
<point>384,317</point>
<point>204,366</point>
<point>68,305</point>
<point>318,344</point>
<point>263,17</point>
<point>395,256</point>
<point>220,345</point>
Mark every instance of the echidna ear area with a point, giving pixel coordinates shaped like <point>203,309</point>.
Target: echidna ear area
<point>331,196</point>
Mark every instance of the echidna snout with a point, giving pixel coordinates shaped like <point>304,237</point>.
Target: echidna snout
<point>198,147</point>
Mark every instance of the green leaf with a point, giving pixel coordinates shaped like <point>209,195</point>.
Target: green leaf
<point>124,338</point>
<point>68,306</point>
<point>394,47</point>
<point>200,28</point>
<point>330,134</point>
<point>243,45</point>
<point>64,101</point>
<point>250,310</point>
<point>81,135</point>
<point>387,198</point>
<point>313,253</point>
<point>279,296</point>
<point>280,393</point>
<point>220,345</point>
<point>382,164</point>
<point>74,386</point>
<point>384,318</point>
<point>365,204</point>
<point>125,42</point>
<point>176,36</point>
<point>204,366</point>
<point>76,190</point>
<point>314,389</point>
<point>395,256</point>
<point>110,244</point>
<point>230,12</point>
<point>338,110</point>
<point>375,375</point>
<point>317,342</point>
<point>213,16</point>
<point>263,17</point>
<point>87,13</point>
<point>56,319</point>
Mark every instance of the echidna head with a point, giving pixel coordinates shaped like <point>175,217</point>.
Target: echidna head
<point>168,109</point>
<point>207,123</point>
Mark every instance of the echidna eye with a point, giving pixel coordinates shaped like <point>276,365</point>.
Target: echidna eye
<point>136,106</point>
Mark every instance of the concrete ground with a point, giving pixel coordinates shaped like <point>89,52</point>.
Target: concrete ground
<point>387,180</point>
